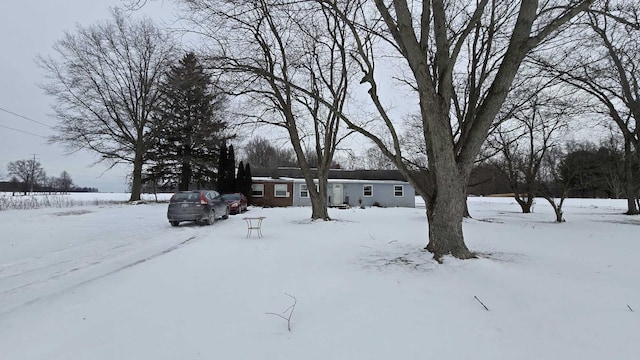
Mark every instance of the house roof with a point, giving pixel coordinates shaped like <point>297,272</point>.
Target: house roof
<point>282,180</point>
<point>296,173</point>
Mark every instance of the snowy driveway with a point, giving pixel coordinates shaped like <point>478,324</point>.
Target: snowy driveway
<point>54,250</point>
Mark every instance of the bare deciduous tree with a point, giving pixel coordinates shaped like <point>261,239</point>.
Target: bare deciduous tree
<point>604,64</point>
<point>433,41</point>
<point>262,153</point>
<point>64,182</point>
<point>523,140</point>
<point>104,79</point>
<point>373,159</point>
<point>269,50</point>
<point>29,172</point>
<point>556,180</point>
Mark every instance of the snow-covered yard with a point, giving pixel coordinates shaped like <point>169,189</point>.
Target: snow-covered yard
<point>118,282</point>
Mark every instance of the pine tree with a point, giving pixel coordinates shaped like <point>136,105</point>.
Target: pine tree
<point>188,128</point>
<point>240,178</point>
<point>230,168</point>
<point>247,182</point>
<point>222,171</point>
<point>243,179</point>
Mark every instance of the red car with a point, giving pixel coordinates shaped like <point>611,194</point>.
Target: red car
<point>237,202</point>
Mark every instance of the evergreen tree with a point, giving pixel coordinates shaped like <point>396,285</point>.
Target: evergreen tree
<point>188,128</point>
<point>247,182</point>
<point>240,179</point>
<point>226,170</point>
<point>243,179</point>
<point>230,168</point>
<point>222,164</point>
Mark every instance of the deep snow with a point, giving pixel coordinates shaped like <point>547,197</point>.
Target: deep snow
<point>117,282</point>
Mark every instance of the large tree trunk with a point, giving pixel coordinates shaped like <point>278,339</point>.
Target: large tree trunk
<point>446,187</point>
<point>319,209</point>
<point>136,183</point>
<point>445,212</point>
<point>319,206</point>
<point>637,189</point>
<point>446,205</point>
<point>318,197</point>
<point>630,190</point>
<point>185,176</point>
<point>466,213</point>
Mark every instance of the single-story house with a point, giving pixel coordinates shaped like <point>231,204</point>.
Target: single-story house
<point>286,187</point>
<point>268,192</point>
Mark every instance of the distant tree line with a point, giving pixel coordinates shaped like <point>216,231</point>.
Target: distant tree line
<point>590,171</point>
<point>28,176</point>
<point>575,169</point>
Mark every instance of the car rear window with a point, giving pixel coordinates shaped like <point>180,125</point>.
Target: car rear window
<point>231,197</point>
<point>194,196</point>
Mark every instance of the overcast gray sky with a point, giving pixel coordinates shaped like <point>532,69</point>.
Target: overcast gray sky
<point>29,28</point>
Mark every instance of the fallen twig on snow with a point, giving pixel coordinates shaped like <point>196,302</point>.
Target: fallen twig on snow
<point>485,306</point>
<point>289,310</point>
<point>629,307</point>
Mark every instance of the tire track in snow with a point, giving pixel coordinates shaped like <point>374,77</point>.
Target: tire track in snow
<point>59,292</point>
<point>166,251</point>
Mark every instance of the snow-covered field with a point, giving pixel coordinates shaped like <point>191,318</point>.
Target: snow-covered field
<point>115,281</point>
<point>39,200</point>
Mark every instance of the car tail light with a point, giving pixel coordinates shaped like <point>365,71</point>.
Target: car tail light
<point>203,200</point>
<point>172,196</point>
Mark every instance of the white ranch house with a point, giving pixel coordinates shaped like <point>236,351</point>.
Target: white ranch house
<point>286,187</point>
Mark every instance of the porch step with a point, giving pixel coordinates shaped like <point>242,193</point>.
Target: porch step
<point>341,206</point>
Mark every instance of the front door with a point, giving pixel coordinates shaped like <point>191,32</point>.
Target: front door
<point>337,197</point>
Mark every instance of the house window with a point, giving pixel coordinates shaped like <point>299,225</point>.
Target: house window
<point>257,190</point>
<point>304,190</point>
<point>367,190</point>
<point>280,190</point>
<point>398,190</point>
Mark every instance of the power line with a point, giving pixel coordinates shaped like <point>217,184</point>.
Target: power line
<point>22,131</point>
<point>26,118</point>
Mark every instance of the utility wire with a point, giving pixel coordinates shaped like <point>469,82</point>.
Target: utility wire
<point>22,131</point>
<point>26,118</point>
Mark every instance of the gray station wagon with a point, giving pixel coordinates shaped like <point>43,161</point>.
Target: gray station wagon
<point>201,206</point>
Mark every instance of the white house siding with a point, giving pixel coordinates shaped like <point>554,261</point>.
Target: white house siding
<point>353,191</point>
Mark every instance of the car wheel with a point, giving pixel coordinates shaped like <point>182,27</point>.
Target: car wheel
<point>174,223</point>
<point>226,215</point>
<point>212,217</point>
